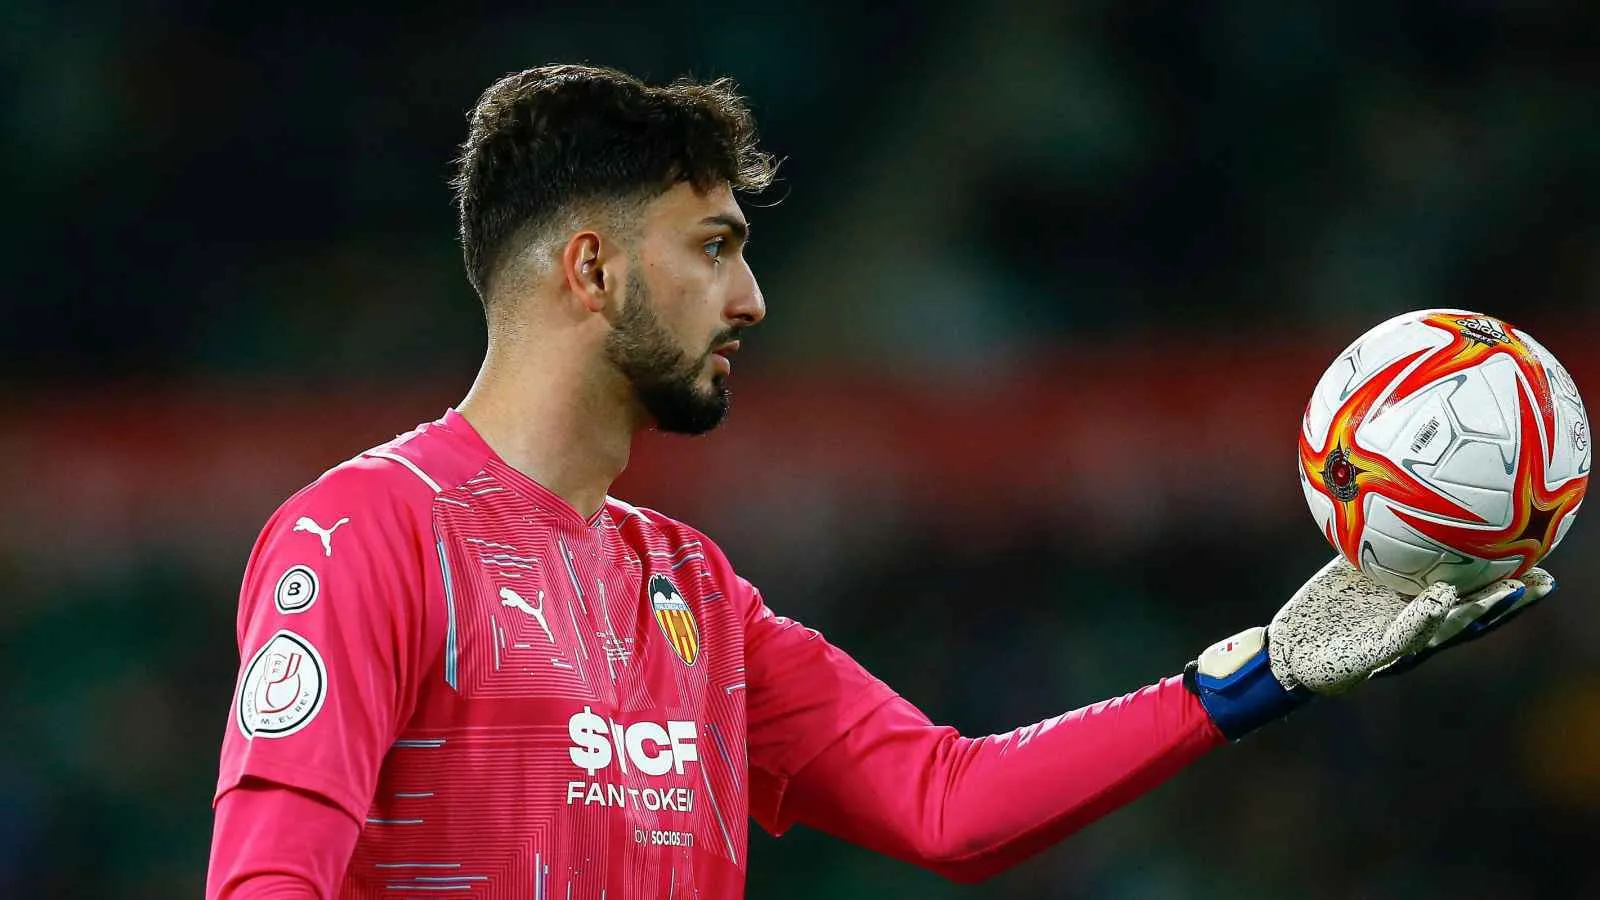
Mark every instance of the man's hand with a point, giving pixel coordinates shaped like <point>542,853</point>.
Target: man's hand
<point>1337,631</point>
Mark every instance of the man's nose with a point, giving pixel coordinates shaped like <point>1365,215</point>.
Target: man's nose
<point>746,306</point>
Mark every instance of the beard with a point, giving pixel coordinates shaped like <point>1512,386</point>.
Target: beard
<point>665,378</point>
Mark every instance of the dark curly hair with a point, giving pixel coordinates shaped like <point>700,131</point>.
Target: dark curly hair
<point>545,141</point>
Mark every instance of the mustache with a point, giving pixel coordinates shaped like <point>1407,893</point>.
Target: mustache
<point>732,334</point>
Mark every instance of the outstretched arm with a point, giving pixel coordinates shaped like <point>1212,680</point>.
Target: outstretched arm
<point>968,808</point>
<point>837,749</point>
<point>867,766</point>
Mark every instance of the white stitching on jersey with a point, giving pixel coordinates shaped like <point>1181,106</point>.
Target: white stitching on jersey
<point>395,457</point>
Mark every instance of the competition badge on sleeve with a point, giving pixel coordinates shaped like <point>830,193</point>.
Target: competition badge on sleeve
<point>282,689</point>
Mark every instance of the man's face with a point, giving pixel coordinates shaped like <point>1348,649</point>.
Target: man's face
<point>685,304</point>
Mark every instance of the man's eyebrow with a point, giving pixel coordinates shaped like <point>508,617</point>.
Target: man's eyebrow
<point>739,227</point>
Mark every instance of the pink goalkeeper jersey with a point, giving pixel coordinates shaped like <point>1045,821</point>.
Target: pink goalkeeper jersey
<point>517,702</point>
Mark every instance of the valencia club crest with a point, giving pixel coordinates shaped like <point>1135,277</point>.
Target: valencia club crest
<point>675,618</point>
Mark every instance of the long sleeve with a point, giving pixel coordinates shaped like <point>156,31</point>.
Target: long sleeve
<point>970,808</point>
<point>331,620</point>
<point>835,748</point>
<point>277,843</point>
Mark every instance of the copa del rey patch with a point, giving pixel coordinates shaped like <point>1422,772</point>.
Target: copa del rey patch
<point>282,689</point>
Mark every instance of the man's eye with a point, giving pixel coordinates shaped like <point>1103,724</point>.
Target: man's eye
<point>713,247</point>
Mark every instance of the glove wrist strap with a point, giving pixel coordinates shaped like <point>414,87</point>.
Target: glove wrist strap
<point>1234,681</point>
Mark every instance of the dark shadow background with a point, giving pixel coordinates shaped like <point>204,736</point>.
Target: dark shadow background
<point>1048,287</point>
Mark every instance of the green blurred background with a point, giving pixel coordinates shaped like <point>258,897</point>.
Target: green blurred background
<point>1048,285</point>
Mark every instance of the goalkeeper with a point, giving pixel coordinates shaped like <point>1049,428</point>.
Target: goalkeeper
<point>466,667</point>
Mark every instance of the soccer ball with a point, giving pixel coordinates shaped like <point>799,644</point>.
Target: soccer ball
<point>1444,445</point>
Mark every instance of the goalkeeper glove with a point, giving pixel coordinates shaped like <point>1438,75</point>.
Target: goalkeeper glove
<point>1338,630</point>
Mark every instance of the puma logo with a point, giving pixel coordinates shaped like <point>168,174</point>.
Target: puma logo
<point>512,600</point>
<point>309,525</point>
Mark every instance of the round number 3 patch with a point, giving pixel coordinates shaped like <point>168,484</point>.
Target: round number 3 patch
<point>296,590</point>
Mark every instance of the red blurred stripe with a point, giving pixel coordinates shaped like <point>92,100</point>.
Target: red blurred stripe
<point>1107,439</point>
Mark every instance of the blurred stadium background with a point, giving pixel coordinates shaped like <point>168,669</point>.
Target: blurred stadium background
<point>1048,286</point>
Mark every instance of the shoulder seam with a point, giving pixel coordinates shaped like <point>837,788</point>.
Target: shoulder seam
<point>628,508</point>
<point>415,470</point>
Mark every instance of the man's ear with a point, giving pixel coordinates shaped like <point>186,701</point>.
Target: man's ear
<point>594,270</point>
